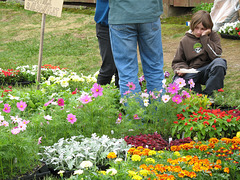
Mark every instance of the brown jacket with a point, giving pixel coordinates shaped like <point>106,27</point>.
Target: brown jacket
<point>196,52</point>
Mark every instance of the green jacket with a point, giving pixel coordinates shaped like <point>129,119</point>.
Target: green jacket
<point>134,11</point>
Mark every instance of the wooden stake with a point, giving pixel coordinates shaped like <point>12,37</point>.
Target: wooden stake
<point>41,50</point>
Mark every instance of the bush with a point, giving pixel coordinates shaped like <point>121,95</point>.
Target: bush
<point>203,6</point>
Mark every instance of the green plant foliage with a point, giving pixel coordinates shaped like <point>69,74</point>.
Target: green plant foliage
<point>203,6</point>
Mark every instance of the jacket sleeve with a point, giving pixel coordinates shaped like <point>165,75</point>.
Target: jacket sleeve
<point>179,60</point>
<point>212,45</point>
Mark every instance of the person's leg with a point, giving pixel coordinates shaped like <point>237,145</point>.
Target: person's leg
<point>214,75</point>
<point>151,52</point>
<point>124,47</point>
<point>108,68</point>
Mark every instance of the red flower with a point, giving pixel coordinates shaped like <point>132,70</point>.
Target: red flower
<point>185,123</point>
<point>175,122</point>
<point>236,28</point>
<point>191,128</point>
<point>229,120</point>
<point>205,122</point>
<point>220,90</point>
<point>239,33</point>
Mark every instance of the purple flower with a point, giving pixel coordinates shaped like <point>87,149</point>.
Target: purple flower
<point>185,94</point>
<point>173,88</point>
<point>21,105</point>
<point>71,118</point>
<point>166,74</point>
<point>97,90</point>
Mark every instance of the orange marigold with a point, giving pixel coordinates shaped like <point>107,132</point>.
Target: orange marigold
<point>203,147</point>
<point>226,169</point>
<point>111,155</point>
<point>213,140</point>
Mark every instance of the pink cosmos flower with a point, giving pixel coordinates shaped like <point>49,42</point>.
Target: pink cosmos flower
<point>173,88</point>
<point>21,105</point>
<point>166,98</point>
<point>127,92</point>
<point>135,116</point>
<point>40,140</point>
<point>185,94</point>
<point>22,126</point>
<point>97,90</point>
<point>85,99</point>
<point>118,121</point>
<point>49,102</point>
<point>152,95</point>
<point>15,130</point>
<point>71,118</point>
<point>181,82</point>
<point>131,86</point>
<point>5,123</point>
<point>60,102</point>
<point>25,121</point>
<point>7,108</point>
<point>191,82</point>
<point>177,99</point>
<point>141,79</point>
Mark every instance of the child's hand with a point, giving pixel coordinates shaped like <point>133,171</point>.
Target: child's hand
<point>206,32</point>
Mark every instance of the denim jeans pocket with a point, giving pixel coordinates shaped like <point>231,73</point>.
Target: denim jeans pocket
<point>120,27</point>
<point>156,25</point>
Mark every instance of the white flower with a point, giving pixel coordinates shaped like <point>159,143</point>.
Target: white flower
<point>13,97</point>
<point>78,172</point>
<point>144,95</point>
<point>51,78</point>
<point>166,98</point>
<point>64,82</point>
<point>111,171</point>
<point>48,83</point>
<point>118,160</point>
<point>1,118</point>
<point>86,164</point>
<point>75,78</point>
<point>146,102</point>
<point>61,172</point>
<point>47,117</point>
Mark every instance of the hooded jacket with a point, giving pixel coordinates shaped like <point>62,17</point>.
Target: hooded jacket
<point>196,52</point>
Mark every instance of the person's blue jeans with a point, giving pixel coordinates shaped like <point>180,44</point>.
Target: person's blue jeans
<point>124,40</point>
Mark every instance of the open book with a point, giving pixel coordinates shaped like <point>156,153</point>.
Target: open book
<point>187,71</point>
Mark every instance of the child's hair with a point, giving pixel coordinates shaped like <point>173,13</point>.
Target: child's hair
<point>201,17</point>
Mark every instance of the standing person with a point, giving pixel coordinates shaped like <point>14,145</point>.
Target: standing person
<point>108,68</point>
<point>132,23</point>
<point>200,49</point>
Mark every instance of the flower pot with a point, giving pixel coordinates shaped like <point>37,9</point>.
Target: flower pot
<point>228,36</point>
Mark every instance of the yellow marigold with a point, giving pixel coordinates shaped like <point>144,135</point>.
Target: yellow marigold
<point>203,147</point>
<point>238,134</point>
<point>143,166</point>
<point>192,175</point>
<point>177,169</point>
<point>102,172</point>
<point>181,175</point>
<point>136,157</point>
<point>226,169</point>
<point>144,172</point>
<point>131,150</point>
<point>140,147</point>
<point>213,140</point>
<point>150,160</point>
<point>131,173</point>
<point>152,152</point>
<point>160,152</point>
<point>218,161</point>
<point>111,155</point>
<point>176,153</point>
<point>137,177</point>
<point>217,167</point>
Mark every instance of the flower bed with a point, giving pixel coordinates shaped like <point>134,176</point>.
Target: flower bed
<point>69,105</point>
<point>230,30</point>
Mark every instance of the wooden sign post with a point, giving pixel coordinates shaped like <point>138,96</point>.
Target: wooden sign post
<point>50,7</point>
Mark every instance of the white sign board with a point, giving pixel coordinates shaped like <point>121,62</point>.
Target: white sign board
<point>49,7</point>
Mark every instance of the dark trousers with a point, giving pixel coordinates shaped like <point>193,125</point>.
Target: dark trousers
<point>211,75</point>
<point>108,68</point>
